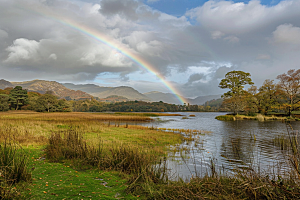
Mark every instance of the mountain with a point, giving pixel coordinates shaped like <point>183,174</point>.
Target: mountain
<point>84,91</point>
<point>58,89</point>
<point>103,92</point>
<point>88,88</point>
<point>5,84</point>
<point>171,98</point>
<point>114,98</point>
<point>164,97</point>
<point>200,100</point>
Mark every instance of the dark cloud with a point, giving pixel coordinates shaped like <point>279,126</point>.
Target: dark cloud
<point>124,8</point>
<point>195,77</point>
<point>262,40</point>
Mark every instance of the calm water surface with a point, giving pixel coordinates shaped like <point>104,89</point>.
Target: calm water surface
<point>230,144</point>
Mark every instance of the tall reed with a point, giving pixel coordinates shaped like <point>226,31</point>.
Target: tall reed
<point>13,169</point>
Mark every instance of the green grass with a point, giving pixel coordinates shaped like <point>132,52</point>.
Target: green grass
<point>64,181</point>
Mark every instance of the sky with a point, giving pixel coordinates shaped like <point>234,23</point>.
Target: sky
<point>182,46</point>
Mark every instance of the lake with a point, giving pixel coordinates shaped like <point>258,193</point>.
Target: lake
<point>230,145</point>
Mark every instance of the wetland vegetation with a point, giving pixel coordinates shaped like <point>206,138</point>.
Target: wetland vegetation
<point>77,155</point>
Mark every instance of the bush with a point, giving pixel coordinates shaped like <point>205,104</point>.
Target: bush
<point>71,145</point>
<point>225,118</point>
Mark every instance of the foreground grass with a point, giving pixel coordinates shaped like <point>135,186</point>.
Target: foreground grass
<point>74,178</point>
<point>64,180</point>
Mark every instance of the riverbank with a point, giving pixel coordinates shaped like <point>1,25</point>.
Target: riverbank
<point>76,155</point>
<point>258,117</point>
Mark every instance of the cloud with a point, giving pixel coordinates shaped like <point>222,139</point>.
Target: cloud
<point>3,34</point>
<point>232,39</point>
<point>195,77</point>
<point>263,57</point>
<point>287,34</point>
<point>216,34</point>
<point>152,1</point>
<point>53,56</point>
<point>22,49</point>
<point>224,36</point>
<point>229,17</point>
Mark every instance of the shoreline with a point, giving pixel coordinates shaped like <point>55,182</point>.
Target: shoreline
<point>258,117</point>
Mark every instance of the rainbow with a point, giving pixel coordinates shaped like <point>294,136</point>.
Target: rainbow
<point>100,37</point>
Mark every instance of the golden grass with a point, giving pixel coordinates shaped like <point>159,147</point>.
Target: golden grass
<point>69,117</point>
<point>31,128</point>
<point>258,117</point>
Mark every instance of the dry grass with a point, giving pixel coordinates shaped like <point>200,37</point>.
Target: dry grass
<point>70,117</point>
<point>259,117</point>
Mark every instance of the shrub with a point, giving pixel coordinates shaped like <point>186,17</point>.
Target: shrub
<point>225,118</point>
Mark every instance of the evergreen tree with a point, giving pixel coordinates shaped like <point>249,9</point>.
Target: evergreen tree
<point>18,97</point>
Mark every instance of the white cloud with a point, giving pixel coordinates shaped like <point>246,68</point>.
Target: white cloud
<point>22,49</point>
<point>53,56</point>
<point>287,33</point>
<point>259,39</point>
<point>216,34</point>
<point>237,18</point>
<point>153,48</point>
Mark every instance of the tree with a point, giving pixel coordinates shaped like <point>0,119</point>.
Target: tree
<point>268,96</point>
<point>63,106</point>
<point>251,102</point>
<point>4,106</point>
<point>47,102</point>
<point>290,84</point>
<point>18,97</point>
<point>235,81</point>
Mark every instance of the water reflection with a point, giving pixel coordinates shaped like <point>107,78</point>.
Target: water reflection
<point>231,144</point>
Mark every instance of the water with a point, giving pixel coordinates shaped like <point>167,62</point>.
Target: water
<point>230,144</point>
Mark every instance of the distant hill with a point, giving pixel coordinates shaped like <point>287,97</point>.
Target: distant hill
<point>214,103</point>
<point>84,91</point>
<point>171,98</point>
<point>103,92</point>
<point>114,98</point>
<point>200,100</point>
<point>58,89</point>
<point>88,88</point>
<point>164,97</point>
<point>5,84</point>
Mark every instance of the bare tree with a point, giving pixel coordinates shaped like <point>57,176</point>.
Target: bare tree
<point>290,84</point>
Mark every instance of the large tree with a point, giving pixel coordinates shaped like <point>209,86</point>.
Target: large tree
<point>235,82</point>
<point>47,102</point>
<point>4,106</point>
<point>268,96</point>
<point>18,97</point>
<point>290,84</point>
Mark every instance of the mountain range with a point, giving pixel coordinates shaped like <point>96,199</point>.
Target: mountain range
<point>103,92</point>
<point>87,91</point>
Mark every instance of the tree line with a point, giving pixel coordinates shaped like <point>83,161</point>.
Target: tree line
<point>271,98</point>
<point>20,99</point>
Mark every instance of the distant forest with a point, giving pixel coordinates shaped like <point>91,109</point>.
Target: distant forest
<point>20,99</point>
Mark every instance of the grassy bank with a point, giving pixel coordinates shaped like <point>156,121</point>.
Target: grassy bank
<point>258,117</point>
<point>113,153</point>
